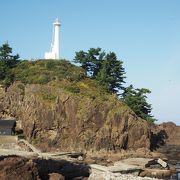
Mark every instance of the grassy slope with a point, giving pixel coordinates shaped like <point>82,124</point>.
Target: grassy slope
<point>62,75</point>
<point>43,71</point>
<point>71,77</point>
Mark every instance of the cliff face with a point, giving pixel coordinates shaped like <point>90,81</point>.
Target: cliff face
<point>166,133</point>
<point>172,131</point>
<point>53,118</point>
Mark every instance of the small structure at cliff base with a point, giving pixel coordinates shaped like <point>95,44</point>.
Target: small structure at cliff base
<point>7,127</point>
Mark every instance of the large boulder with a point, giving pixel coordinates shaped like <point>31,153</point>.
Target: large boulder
<point>18,168</point>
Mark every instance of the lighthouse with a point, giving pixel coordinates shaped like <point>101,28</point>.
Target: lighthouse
<point>54,50</point>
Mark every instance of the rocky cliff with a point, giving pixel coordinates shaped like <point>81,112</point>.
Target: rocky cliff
<point>166,138</point>
<point>170,132</point>
<point>54,118</point>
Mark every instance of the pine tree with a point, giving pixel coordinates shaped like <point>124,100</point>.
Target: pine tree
<point>7,62</point>
<point>111,74</point>
<point>6,51</point>
<point>105,68</point>
<point>136,99</point>
<point>90,61</point>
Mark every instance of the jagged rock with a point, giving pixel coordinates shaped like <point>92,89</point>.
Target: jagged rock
<point>165,133</point>
<point>12,168</point>
<point>54,119</point>
<point>165,137</point>
<point>68,169</point>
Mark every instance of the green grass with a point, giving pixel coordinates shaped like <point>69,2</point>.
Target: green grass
<point>44,71</point>
<point>61,76</point>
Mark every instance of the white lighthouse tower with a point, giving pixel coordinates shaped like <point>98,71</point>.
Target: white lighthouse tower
<point>54,51</point>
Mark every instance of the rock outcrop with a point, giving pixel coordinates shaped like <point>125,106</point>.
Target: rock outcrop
<point>170,131</point>
<point>53,118</point>
<point>18,168</point>
<point>165,138</point>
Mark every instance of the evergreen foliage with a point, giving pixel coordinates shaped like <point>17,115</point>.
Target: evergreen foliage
<point>7,62</point>
<point>44,71</point>
<point>100,67</point>
<point>90,61</point>
<point>111,74</point>
<point>136,99</point>
<point>105,68</point>
<point>6,53</point>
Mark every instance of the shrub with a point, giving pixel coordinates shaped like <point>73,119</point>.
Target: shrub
<point>42,79</point>
<point>50,65</point>
<point>8,79</point>
<point>22,88</point>
<point>43,71</point>
<point>73,89</point>
<point>48,96</point>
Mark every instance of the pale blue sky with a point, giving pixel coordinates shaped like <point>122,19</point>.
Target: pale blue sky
<point>145,34</point>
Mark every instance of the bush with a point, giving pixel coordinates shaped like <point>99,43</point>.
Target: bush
<point>73,89</point>
<point>8,79</point>
<point>48,96</point>
<point>50,65</point>
<point>22,88</point>
<point>42,79</point>
<point>43,71</point>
